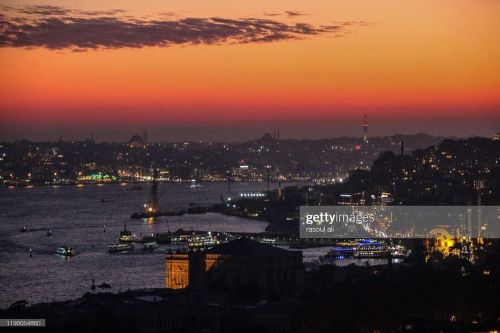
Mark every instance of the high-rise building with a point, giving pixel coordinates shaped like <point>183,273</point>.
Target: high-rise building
<point>365,130</point>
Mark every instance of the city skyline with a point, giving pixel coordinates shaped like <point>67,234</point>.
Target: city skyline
<point>226,132</point>
<point>221,70</point>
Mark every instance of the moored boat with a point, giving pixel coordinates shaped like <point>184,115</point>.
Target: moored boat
<point>65,251</point>
<point>203,241</point>
<point>126,236</point>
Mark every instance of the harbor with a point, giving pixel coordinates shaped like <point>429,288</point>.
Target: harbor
<point>33,234</point>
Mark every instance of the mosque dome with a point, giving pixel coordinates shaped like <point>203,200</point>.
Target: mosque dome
<point>136,141</point>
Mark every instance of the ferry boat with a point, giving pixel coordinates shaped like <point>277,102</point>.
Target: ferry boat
<point>65,251</point>
<point>180,236</point>
<point>120,248</point>
<point>126,236</point>
<point>202,242</point>
<point>271,241</point>
<point>367,249</point>
<point>340,252</point>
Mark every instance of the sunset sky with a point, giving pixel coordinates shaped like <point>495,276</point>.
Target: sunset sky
<point>230,70</point>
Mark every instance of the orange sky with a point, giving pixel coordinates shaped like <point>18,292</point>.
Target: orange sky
<point>414,57</point>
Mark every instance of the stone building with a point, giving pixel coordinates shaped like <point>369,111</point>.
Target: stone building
<point>177,270</point>
<point>243,268</point>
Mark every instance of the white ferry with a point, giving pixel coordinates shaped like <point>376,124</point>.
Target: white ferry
<point>124,247</point>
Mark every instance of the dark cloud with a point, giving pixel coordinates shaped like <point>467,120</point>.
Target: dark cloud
<point>272,14</point>
<point>44,10</point>
<point>169,14</point>
<point>295,13</point>
<point>58,28</point>
<point>110,12</point>
<point>357,23</point>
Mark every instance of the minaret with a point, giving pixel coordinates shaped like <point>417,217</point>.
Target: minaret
<point>280,194</point>
<point>402,148</point>
<point>278,134</point>
<point>92,137</point>
<point>365,130</point>
<point>145,137</point>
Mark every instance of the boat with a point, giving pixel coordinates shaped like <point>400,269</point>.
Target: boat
<point>179,237</point>
<point>340,253</point>
<point>194,185</point>
<point>203,242</point>
<point>49,233</point>
<point>24,229</point>
<point>104,200</point>
<point>121,248</point>
<point>370,249</point>
<point>271,241</point>
<point>65,251</point>
<point>150,246</point>
<point>367,249</point>
<point>125,235</point>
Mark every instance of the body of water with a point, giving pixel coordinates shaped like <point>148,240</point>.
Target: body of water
<point>77,218</point>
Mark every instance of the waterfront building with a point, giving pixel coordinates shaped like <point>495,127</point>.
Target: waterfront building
<point>177,270</point>
<point>239,267</point>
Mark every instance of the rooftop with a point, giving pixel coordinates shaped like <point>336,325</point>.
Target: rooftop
<point>247,247</point>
